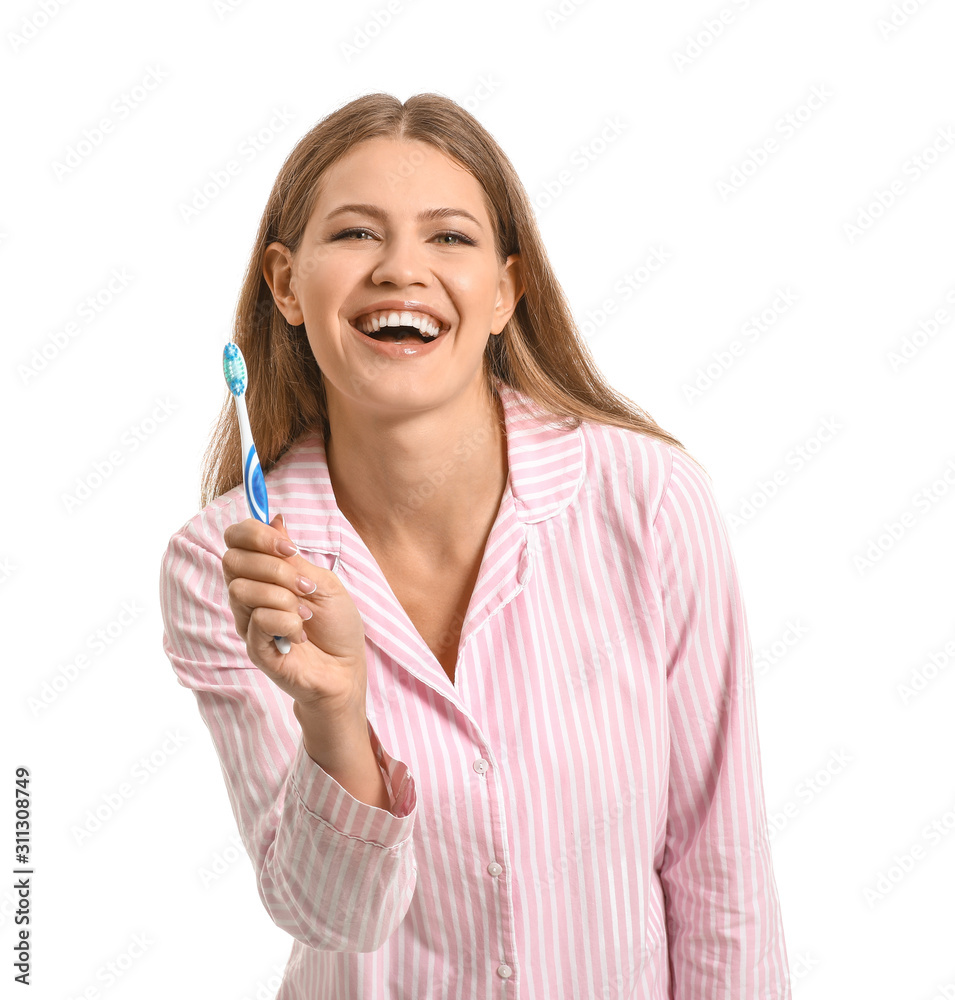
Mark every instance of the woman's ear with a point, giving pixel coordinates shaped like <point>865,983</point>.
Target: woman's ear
<point>509,292</point>
<point>277,271</point>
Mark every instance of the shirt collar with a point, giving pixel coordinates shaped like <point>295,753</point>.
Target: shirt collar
<point>545,471</point>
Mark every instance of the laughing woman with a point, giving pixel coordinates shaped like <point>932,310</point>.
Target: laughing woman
<point>512,750</point>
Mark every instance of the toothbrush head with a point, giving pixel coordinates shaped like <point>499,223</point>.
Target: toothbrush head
<point>233,368</point>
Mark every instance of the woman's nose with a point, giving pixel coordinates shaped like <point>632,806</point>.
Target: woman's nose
<point>401,261</point>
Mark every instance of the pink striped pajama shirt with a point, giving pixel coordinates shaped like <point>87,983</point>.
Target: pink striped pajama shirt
<point>581,813</point>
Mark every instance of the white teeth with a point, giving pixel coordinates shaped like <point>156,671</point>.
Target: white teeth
<point>373,323</point>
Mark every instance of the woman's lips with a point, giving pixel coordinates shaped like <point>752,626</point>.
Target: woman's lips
<point>410,348</point>
<point>399,307</point>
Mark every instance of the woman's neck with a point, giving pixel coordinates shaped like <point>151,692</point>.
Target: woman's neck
<point>427,486</point>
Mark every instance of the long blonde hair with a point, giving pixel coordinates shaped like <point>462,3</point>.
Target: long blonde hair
<point>540,351</point>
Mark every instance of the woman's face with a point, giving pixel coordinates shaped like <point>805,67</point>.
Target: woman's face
<point>396,222</point>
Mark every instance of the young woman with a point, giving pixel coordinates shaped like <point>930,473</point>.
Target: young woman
<point>513,749</point>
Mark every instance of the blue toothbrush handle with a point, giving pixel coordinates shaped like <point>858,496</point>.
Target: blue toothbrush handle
<point>255,492</point>
<point>258,500</point>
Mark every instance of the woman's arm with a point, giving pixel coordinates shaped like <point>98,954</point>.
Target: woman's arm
<point>724,926</point>
<point>334,872</point>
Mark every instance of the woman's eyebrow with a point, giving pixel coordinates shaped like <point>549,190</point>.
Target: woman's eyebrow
<point>428,215</point>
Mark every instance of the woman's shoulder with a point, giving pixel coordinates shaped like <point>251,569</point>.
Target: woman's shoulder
<point>644,485</point>
<point>294,471</point>
<point>631,464</point>
<point>205,529</point>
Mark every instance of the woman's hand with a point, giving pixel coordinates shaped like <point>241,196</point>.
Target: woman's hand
<point>274,591</point>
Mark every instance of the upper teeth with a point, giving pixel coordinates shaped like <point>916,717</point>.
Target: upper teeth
<point>371,322</point>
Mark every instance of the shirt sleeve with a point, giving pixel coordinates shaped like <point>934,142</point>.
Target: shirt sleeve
<point>724,927</point>
<point>335,873</point>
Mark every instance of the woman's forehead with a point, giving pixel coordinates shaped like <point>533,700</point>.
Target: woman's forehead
<point>388,177</point>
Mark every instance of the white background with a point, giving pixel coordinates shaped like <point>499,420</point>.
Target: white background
<point>855,719</point>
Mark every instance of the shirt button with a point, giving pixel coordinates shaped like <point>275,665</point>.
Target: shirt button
<point>494,868</point>
<point>504,971</point>
<point>480,766</point>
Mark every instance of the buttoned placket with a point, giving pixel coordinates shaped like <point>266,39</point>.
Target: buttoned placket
<point>505,568</point>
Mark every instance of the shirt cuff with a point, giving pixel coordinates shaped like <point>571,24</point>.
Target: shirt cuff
<point>326,799</point>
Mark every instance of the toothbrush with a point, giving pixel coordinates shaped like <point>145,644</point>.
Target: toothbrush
<point>237,379</point>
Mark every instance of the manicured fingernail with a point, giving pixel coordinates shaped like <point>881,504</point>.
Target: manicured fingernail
<point>306,586</point>
<point>304,613</point>
<point>285,547</point>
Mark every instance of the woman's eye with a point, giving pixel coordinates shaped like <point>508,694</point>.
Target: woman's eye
<point>457,236</point>
<point>349,232</point>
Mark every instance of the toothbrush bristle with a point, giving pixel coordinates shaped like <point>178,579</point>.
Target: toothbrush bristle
<point>233,368</point>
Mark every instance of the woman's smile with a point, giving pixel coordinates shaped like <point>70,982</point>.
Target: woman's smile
<point>404,322</point>
<point>404,341</point>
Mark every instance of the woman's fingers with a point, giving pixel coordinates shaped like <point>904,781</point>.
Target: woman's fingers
<point>258,537</point>
<point>267,593</point>
<point>253,552</point>
<point>265,624</point>
<point>246,595</point>
<point>241,564</point>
